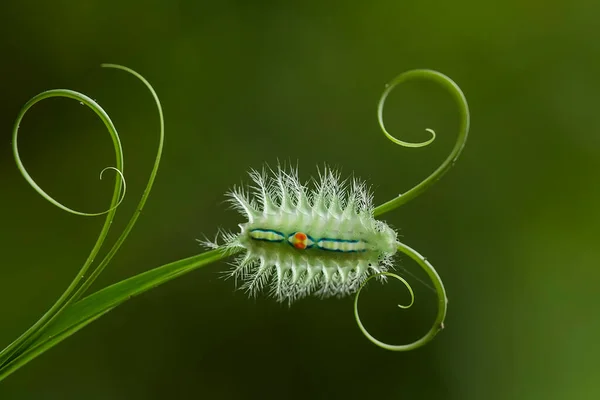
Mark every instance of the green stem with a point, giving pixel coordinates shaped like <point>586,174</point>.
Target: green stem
<point>87,310</point>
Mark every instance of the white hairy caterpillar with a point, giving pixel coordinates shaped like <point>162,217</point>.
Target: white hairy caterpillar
<point>302,240</point>
<point>323,238</point>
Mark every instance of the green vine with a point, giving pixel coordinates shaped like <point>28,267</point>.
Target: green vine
<point>71,312</point>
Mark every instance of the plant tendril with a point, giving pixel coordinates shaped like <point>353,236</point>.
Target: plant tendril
<point>122,180</point>
<point>83,99</point>
<point>463,131</point>
<point>356,313</point>
<point>442,303</point>
<point>381,274</point>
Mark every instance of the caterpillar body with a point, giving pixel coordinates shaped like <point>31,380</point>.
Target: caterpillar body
<point>319,238</point>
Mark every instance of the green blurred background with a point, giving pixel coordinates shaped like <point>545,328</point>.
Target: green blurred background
<point>512,229</point>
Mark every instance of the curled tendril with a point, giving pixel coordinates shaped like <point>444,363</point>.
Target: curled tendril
<point>459,97</point>
<point>380,106</point>
<point>83,99</point>
<point>412,294</point>
<point>463,131</point>
<point>442,303</point>
<point>122,179</point>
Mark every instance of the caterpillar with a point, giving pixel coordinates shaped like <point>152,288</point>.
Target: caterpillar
<point>320,238</point>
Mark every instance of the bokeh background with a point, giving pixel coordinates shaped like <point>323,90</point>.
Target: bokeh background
<point>512,228</point>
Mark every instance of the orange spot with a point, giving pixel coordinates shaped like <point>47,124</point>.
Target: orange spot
<point>300,236</point>
<point>300,245</point>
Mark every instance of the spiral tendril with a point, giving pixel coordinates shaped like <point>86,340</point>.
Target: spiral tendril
<point>83,99</point>
<point>442,303</point>
<point>461,139</point>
